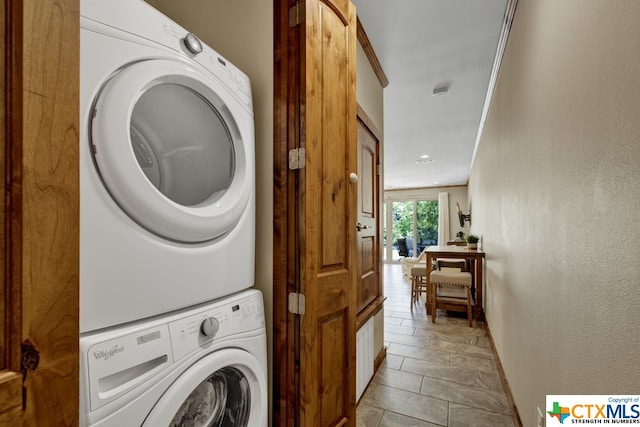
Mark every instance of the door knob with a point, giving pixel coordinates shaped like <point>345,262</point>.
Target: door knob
<point>353,178</point>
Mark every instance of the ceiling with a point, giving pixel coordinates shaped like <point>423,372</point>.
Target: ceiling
<point>423,45</point>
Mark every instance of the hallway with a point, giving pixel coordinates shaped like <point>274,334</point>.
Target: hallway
<point>441,374</point>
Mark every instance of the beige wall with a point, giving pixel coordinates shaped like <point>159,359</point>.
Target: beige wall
<point>555,189</point>
<point>369,94</point>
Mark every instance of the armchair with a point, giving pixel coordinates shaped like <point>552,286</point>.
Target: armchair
<point>409,262</point>
<point>405,246</point>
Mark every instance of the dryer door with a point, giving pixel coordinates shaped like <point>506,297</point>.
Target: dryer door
<point>225,388</point>
<point>174,148</point>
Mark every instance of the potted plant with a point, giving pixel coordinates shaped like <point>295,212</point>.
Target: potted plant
<point>472,241</point>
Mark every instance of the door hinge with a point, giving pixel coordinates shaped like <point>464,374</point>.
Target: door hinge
<point>378,169</point>
<point>296,303</point>
<point>296,14</point>
<point>296,158</point>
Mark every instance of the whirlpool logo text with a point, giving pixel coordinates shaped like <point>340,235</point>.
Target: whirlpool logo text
<point>108,353</point>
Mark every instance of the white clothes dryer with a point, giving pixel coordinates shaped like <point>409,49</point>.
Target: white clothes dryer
<point>205,366</point>
<point>167,203</point>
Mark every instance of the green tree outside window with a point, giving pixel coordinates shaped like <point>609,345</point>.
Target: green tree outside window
<point>427,221</point>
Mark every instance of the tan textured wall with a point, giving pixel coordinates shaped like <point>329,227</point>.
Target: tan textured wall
<point>555,189</point>
<point>369,92</point>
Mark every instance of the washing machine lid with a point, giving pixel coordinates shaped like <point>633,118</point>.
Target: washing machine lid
<point>173,147</point>
<point>226,388</point>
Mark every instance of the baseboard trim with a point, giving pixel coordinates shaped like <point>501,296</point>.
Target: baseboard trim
<point>379,359</point>
<point>503,378</point>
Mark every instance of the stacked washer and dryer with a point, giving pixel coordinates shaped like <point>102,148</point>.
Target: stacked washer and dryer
<point>170,333</point>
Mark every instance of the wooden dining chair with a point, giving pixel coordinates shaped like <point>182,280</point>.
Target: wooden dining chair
<point>418,283</point>
<point>450,290</point>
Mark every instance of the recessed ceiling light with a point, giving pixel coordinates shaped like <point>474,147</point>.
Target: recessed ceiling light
<point>425,156</point>
<point>440,90</point>
<point>436,182</point>
<point>424,161</point>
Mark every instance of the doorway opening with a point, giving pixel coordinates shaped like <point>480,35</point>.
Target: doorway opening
<point>409,226</point>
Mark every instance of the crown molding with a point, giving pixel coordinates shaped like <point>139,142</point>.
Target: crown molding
<point>371,55</point>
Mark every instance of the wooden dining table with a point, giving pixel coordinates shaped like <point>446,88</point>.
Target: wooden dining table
<point>475,257</point>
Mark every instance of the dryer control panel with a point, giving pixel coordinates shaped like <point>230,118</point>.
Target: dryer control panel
<point>215,324</point>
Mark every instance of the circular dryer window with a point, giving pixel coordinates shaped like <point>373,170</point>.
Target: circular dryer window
<point>182,144</point>
<point>174,148</point>
<point>226,388</point>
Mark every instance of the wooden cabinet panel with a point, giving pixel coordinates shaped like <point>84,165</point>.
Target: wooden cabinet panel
<point>333,331</point>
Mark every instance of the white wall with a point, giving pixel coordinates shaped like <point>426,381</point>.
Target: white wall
<point>555,189</point>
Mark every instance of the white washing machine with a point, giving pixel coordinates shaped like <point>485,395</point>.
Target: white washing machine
<point>206,366</point>
<point>167,203</point>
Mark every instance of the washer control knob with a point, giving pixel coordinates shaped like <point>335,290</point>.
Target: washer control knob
<point>192,43</point>
<point>209,326</point>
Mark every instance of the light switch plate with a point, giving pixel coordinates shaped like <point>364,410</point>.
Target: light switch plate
<point>539,418</point>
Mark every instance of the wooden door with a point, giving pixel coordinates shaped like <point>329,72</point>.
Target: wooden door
<point>40,217</point>
<point>315,213</point>
<point>328,214</point>
<point>369,285</point>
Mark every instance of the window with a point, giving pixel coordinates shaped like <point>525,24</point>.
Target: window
<point>411,225</point>
<point>426,223</point>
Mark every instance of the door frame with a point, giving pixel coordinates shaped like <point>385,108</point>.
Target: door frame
<point>286,244</point>
<point>375,305</point>
<point>40,224</point>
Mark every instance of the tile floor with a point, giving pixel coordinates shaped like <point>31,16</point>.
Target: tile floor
<point>441,374</point>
